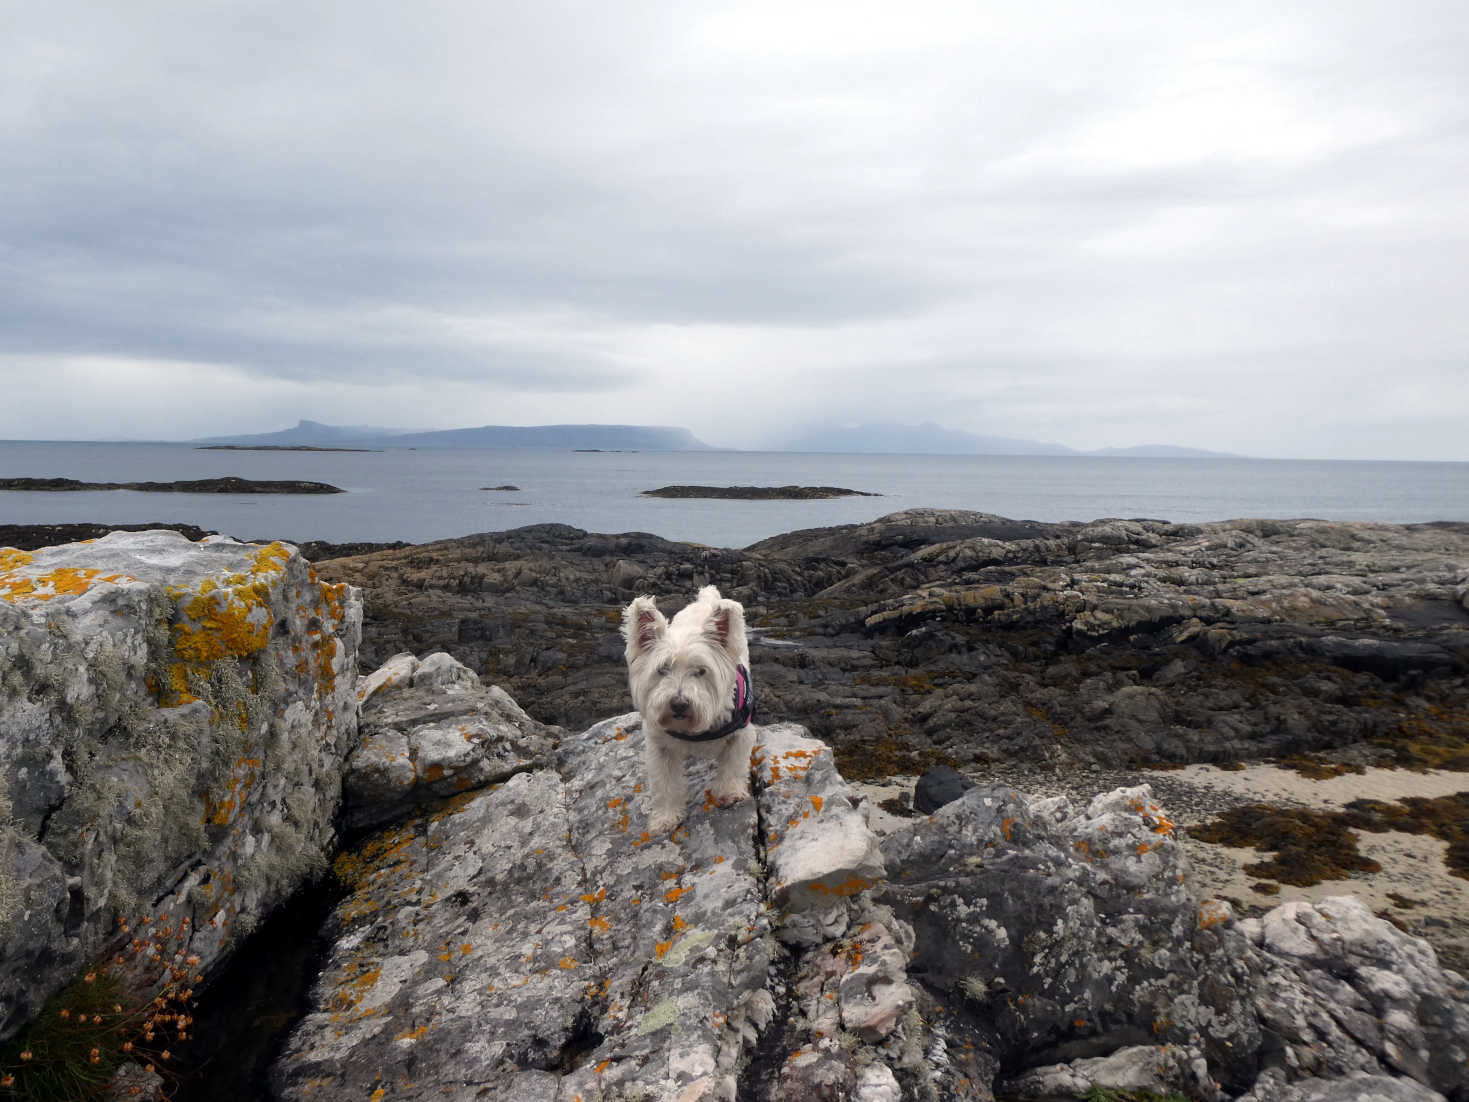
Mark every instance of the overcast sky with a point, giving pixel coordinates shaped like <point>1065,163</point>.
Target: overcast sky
<point>1241,226</point>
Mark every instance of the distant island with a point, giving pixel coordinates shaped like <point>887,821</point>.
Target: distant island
<point>757,493</point>
<point>226,485</point>
<point>890,438</point>
<point>877,438</point>
<point>277,448</point>
<point>570,437</point>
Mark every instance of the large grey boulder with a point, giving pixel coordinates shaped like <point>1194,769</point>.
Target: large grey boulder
<point>1342,990</point>
<point>173,721</point>
<point>430,730</point>
<point>536,941</point>
<point>1067,944</point>
<point>1053,935</point>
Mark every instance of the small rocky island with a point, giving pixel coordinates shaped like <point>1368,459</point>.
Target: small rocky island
<point>226,485</point>
<point>757,493</point>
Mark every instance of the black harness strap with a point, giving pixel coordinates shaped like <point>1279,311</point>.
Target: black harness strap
<point>744,712</point>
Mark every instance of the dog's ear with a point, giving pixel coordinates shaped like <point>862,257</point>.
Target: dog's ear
<point>726,628</point>
<point>642,626</point>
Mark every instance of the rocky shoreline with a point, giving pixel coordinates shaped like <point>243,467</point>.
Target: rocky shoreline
<point>935,635</point>
<point>509,928</point>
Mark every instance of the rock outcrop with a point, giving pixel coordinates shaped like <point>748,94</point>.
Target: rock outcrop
<point>936,635</point>
<point>430,730</point>
<point>535,941</point>
<point>173,721</point>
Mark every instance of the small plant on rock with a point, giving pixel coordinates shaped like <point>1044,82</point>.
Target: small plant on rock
<point>134,1007</point>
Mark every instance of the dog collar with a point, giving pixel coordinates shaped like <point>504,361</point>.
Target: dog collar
<point>744,712</point>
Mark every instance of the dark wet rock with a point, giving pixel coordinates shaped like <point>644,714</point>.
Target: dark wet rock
<point>29,537</point>
<point>946,636</point>
<point>943,784</point>
<point>225,485</point>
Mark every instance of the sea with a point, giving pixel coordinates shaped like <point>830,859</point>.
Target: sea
<point>418,495</point>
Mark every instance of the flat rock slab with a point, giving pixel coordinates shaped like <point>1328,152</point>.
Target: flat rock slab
<point>173,721</point>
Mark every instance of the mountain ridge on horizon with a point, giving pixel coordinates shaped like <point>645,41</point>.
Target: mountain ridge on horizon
<point>882,438</point>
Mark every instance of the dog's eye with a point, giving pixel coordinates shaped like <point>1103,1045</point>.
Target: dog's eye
<point>699,671</point>
<point>663,670</point>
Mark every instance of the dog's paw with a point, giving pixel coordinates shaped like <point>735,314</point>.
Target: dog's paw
<point>728,797</point>
<point>663,824</point>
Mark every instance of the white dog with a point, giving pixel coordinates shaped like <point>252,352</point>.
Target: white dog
<point>690,680</point>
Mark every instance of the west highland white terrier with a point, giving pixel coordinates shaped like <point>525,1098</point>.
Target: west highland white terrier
<point>690,679</point>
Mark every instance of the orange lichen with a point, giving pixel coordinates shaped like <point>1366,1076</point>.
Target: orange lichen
<point>672,894</point>
<point>816,802</point>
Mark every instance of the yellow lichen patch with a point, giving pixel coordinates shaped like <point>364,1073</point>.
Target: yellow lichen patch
<point>593,900</point>
<point>567,964</point>
<point>672,894</point>
<point>415,1034</point>
<point>679,925</point>
<point>816,802</point>
<point>600,924</point>
<point>12,559</point>
<point>63,581</point>
<point>660,949</point>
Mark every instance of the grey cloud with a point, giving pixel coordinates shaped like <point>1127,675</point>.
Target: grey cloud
<point>532,196</point>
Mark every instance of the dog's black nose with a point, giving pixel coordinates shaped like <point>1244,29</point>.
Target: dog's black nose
<point>679,706</point>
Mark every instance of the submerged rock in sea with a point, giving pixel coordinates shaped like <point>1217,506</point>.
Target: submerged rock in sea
<point>173,721</point>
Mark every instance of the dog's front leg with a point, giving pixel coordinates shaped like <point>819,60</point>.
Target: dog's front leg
<point>732,780</point>
<point>665,784</point>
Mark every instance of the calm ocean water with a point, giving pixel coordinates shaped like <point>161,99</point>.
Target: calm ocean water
<point>422,495</point>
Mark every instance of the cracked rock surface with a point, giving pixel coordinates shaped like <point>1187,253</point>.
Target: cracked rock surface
<point>535,941</point>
